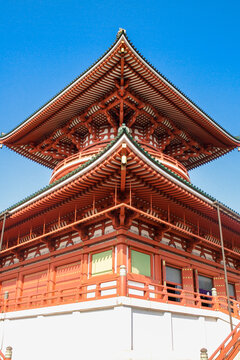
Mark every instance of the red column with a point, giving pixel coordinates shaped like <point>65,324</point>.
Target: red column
<point>164,272</point>
<point>19,287</point>
<point>188,285</point>
<point>121,256</point>
<point>84,274</point>
<point>157,267</point>
<point>122,262</point>
<point>51,282</point>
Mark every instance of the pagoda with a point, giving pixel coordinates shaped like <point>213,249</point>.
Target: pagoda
<point>120,256</point>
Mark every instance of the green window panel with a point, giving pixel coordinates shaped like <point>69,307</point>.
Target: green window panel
<point>140,263</point>
<point>102,262</point>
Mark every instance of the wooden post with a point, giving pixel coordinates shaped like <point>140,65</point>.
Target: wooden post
<point>8,353</point>
<point>121,256</point>
<point>157,267</point>
<point>84,275</point>
<point>51,281</point>
<point>203,354</point>
<point>215,299</point>
<point>19,288</point>
<point>123,281</point>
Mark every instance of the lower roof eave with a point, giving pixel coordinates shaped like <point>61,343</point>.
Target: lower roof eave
<point>123,137</point>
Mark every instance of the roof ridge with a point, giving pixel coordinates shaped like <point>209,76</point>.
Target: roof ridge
<point>122,33</point>
<point>175,87</point>
<point>67,86</point>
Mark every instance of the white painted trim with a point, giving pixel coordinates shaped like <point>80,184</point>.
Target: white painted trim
<point>172,166</point>
<point>69,164</point>
<point>114,302</point>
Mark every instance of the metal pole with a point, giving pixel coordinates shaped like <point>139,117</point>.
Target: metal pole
<point>3,227</point>
<point>224,266</point>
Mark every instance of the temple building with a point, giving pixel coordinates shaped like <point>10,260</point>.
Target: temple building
<point>120,256</point>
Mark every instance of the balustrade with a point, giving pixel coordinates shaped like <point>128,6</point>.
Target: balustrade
<point>123,285</point>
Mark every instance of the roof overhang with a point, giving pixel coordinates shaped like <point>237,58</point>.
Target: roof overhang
<point>99,80</point>
<point>186,192</point>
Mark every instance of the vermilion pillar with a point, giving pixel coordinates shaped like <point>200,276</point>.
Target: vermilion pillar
<point>121,252</point>
<point>51,280</point>
<point>122,260</point>
<point>19,286</point>
<point>157,268</point>
<point>84,274</point>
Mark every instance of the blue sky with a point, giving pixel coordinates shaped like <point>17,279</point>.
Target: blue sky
<point>46,44</point>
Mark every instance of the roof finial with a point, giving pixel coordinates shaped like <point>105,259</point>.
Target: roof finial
<point>123,128</point>
<point>120,32</point>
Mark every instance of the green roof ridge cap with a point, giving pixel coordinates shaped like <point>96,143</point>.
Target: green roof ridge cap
<point>122,32</point>
<point>47,187</point>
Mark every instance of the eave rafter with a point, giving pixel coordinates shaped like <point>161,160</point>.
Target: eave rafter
<point>121,103</point>
<point>136,186</point>
<point>193,138</point>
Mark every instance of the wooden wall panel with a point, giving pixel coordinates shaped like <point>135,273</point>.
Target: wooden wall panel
<point>34,284</point>
<point>188,284</point>
<point>68,276</point>
<point>219,284</point>
<point>10,287</point>
<point>237,291</point>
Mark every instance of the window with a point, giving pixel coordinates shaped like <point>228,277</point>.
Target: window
<point>173,275</point>
<point>140,263</point>
<point>205,287</point>
<point>102,262</point>
<point>231,291</point>
<point>174,281</point>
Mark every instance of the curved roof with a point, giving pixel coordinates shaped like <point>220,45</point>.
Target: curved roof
<point>99,80</point>
<point>63,194</point>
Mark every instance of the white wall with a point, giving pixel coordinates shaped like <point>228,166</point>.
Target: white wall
<point>117,328</point>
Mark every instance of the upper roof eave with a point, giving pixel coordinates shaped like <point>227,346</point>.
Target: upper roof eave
<point>235,140</point>
<point>61,92</point>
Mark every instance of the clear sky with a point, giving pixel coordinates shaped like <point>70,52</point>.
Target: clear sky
<point>46,44</point>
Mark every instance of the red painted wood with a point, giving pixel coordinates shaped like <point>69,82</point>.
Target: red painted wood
<point>219,284</point>
<point>237,291</point>
<point>188,284</point>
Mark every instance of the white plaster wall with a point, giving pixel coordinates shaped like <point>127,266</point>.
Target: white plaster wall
<point>113,329</point>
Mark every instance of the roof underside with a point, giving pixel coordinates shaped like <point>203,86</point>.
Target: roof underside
<point>99,177</point>
<point>100,80</point>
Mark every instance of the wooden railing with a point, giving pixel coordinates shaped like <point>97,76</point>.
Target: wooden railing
<point>229,347</point>
<point>2,357</point>
<point>113,285</point>
<point>91,290</point>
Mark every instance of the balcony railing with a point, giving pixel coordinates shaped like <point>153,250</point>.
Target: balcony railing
<point>113,285</point>
<point>229,347</point>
